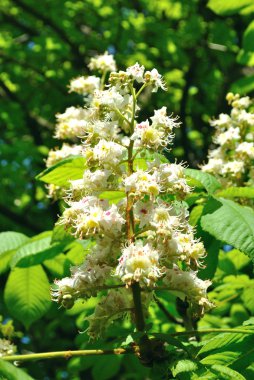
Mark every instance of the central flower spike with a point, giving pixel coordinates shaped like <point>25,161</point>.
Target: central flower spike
<point>137,239</point>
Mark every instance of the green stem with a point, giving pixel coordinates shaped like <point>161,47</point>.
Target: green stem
<point>103,80</point>
<point>140,90</point>
<point>65,354</point>
<point>119,113</point>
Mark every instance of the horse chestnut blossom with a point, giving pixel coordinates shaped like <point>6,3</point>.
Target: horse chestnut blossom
<point>232,161</point>
<point>139,241</point>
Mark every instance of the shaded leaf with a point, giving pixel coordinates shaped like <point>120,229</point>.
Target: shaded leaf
<point>36,252</point>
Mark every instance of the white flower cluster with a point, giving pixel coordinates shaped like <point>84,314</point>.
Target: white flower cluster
<point>232,161</point>
<point>7,348</point>
<point>138,238</point>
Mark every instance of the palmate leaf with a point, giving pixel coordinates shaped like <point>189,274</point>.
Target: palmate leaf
<point>239,192</point>
<point>207,181</point>
<point>35,252</point>
<point>9,242</point>
<point>225,340</point>
<point>61,173</point>
<point>232,224</point>
<point>10,372</point>
<point>27,294</point>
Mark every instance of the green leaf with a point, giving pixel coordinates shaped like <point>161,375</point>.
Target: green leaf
<point>106,367</point>
<point>232,224</point>
<point>248,299</point>
<point>227,373</point>
<point>246,54</point>
<point>248,38</point>
<point>223,358</point>
<point>9,242</point>
<point>184,366</point>
<point>195,214</point>
<point>60,235</point>
<point>36,252</point>
<point>229,7</point>
<point>239,192</point>
<point>112,196</point>
<point>243,85</point>
<point>10,372</point>
<point>225,340</point>
<point>64,171</point>
<point>208,181</point>
<point>27,294</point>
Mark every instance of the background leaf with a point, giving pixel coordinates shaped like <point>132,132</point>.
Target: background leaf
<point>208,181</point>
<point>232,224</point>
<point>27,294</point>
<point>10,372</point>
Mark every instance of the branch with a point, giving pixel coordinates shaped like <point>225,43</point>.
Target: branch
<point>59,31</point>
<point>28,65</point>
<point>30,119</point>
<point>19,219</point>
<point>65,354</point>
<point>18,24</point>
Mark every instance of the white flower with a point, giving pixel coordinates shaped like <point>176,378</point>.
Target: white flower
<point>107,130</point>
<point>112,221</point>
<point>241,102</point>
<point>172,178</point>
<point>246,148</point>
<point>139,263</point>
<point>187,282</point>
<point>110,98</point>
<point>160,119</point>
<point>71,124</point>
<point>6,348</point>
<point>161,218</point>
<point>223,121</point>
<point>96,181</point>
<point>104,62</point>
<point>64,292</point>
<point>214,165</point>
<point>234,168</point>
<point>142,182</point>
<point>136,72</point>
<point>246,117</point>
<point>108,153</point>
<point>155,79</point>
<point>110,307</point>
<point>85,85</point>
<point>149,136</point>
<point>232,134</point>
<point>142,212</point>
